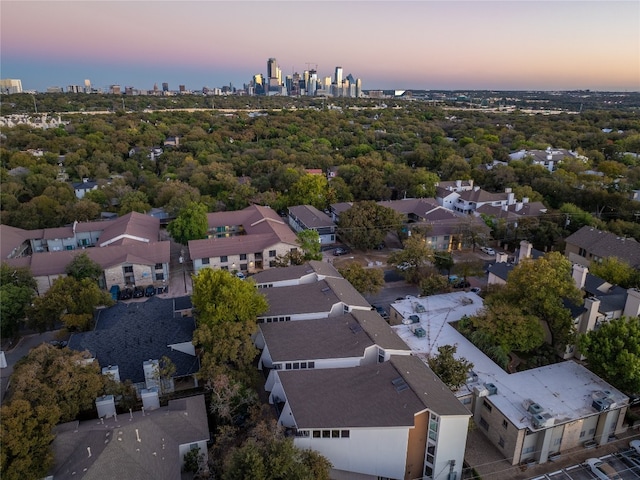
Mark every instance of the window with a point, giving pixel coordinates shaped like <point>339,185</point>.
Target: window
<point>272,264</point>
<point>344,433</point>
<point>316,434</point>
<point>272,253</point>
<point>335,433</point>
<point>466,401</point>
<point>504,424</point>
<point>159,276</point>
<point>158,266</point>
<point>243,267</point>
<point>311,365</point>
<point>224,259</point>
<point>487,405</point>
<point>326,433</point>
<point>484,424</point>
<point>193,446</point>
<point>527,450</point>
<point>224,268</point>
<point>557,441</point>
<point>287,365</point>
<point>501,442</point>
<point>128,269</point>
<point>592,431</point>
<point>243,256</point>
<point>296,365</point>
<point>205,261</point>
<point>582,433</point>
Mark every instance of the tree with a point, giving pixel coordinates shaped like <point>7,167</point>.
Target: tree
<point>268,455</point>
<point>613,352</point>
<point>57,378</point>
<point>83,267</point>
<point>17,290</point>
<point>432,284</point>
<point>230,399</point>
<point>310,190</point>
<point>538,288</point>
<point>227,308</point>
<point>365,280</point>
<point>191,224</point>
<point>415,254</point>
<point>443,261</point>
<point>366,224</point>
<point>451,370</point>
<point>134,201</point>
<point>26,434</point>
<point>616,272</point>
<point>309,241</point>
<point>508,327</point>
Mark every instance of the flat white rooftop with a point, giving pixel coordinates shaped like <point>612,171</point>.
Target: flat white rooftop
<point>564,390</point>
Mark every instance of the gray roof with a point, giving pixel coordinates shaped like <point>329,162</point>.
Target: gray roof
<point>367,396</point>
<point>323,269</point>
<point>606,244</point>
<point>344,336</point>
<point>310,216</point>
<point>129,334</point>
<point>314,297</point>
<point>114,446</point>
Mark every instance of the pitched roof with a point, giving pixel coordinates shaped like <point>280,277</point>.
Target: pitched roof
<point>367,396</point>
<point>116,451</point>
<point>11,238</point>
<point>215,247</point>
<point>606,244</point>
<point>480,196</point>
<point>310,216</point>
<point>132,224</point>
<point>293,272</point>
<point>314,297</point>
<point>343,336</point>
<point>129,334</point>
<point>54,263</point>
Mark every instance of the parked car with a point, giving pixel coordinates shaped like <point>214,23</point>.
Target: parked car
<point>149,291</point>
<point>475,290</point>
<point>383,313</point>
<point>404,266</point>
<point>241,275</point>
<point>138,292</point>
<point>126,294</point>
<point>635,444</point>
<point>461,284</point>
<point>602,470</point>
<point>488,250</point>
<point>340,251</point>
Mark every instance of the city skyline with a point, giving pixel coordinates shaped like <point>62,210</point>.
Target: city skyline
<point>427,45</point>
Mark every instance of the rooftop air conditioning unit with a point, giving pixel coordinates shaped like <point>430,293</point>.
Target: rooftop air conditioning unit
<point>601,404</point>
<point>535,409</point>
<point>542,420</point>
<point>491,388</point>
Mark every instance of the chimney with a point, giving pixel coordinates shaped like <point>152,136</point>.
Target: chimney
<point>518,206</point>
<point>458,183</point>
<point>588,318</point>
<point>632,304</point>
<point>525,250</point>
<point>501,257</point>
<point>525,199</point>
<point>579,275</point>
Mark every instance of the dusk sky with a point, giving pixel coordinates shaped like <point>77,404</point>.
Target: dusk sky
<point>500,45</point>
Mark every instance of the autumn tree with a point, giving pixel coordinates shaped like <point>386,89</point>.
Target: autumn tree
<point>227,308</point>
<point>134,201</point>
<point>366,224</point>
<point>613,352</point>
<point>17,290</point>
<point>415,255</point>
<point>310,190</point>
<point>367,281</point>
<point>191,224</point>
<point>451,370</point>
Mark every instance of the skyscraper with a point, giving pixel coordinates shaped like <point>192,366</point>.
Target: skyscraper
<point>272,67</point>
<point>338,77</point>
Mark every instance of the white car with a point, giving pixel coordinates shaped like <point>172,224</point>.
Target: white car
<point>404,266</point>
<point>488,250</point>
<point>635,444</point>
<point>241,275</point>
<point>602,470</point>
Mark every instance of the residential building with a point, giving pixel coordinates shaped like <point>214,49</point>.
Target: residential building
<point>549,158</point>
<point>308,217</point>
<point>513,213</point>
<point>393,419</point>
<point>469,200</point>
<point>10,85</point>
<point>325,298</point>
<point>127,248</point>
<point>309,272</point>
<point>83,187</point>
<point>129,340</point>
<point>361,337</point>
<point>592,245</point>
<point>529,416</point>
<point>247,240</point>
<point>141,444</point>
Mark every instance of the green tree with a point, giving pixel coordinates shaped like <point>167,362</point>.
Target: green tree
<point>365,280</point>
<point>310,190</point>
<point>451,370</point>
<point>227,308</point>
<point>83,267</point>
<point>134,201</point>
<point>26,434</point>
<point>17,290</point>
<point>509,327</point>
<point>309,241</point>
<point>366,224</point>
<point>432,284</point>
<point>616,272</point>
<point>443,261</point>
<point>415,255</point>
<point>191,224</point>
<point>538,287</point>
<point>576,218</point>
<point>613,353</point>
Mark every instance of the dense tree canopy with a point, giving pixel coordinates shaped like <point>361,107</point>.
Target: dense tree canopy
<point>191,224</point>
<point>367,281</point>
<point>451,370</point>
<point>17,290</point>
<point>613,353</point>
<point>366,224</point>
<point>227,308</point>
